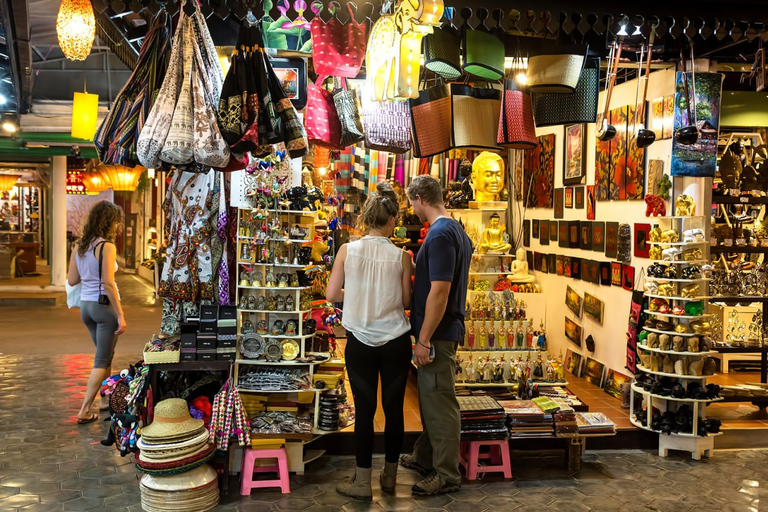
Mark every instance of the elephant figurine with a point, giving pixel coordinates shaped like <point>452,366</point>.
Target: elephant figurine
<point>655,206</point>
<point>666,289</point>
<point>690,291</point>
<point>693,344</point>
<point>680,366</point>
<point>670,236</point>
<point>645,358</point>
<point>651,287</point>
<point>670,254</point>
<point>656,362</point>
<point>693,235</point>
<point>700,326</point>
<point>678,344</point>
<point>685,206</point>
<point>691,254</point>
<point>652,340</point>
<point>654,235</point>
<point>681,328</point>
<point>668,364</point>
<point>664,342</point>
<point>696,366</point>
<point>655,253</point>
<point>392,64</point>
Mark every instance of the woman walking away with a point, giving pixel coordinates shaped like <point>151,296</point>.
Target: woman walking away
<point>93,265</point>
<point>372,278</point>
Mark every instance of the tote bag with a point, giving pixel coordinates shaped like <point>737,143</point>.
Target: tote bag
<point>338,49</point>
<point>483,55</point>
<point>579,107</point>
<point>475,117</point>
<point>431,121</point>
<point>387,125</point>
<point>557,72</point>
<point>516,128</point>
<point>442,54</point>
<point>209,147</point>
<point>322,122</point>
<point>345,101</point>
<point>177,149</point>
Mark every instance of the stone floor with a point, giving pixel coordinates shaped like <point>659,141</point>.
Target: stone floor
<point>47,462</point>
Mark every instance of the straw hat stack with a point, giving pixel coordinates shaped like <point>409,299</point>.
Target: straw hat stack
<point>194,491</point>
<point>175,443</point>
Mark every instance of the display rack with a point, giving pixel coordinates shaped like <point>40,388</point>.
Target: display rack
<point>691,442</point>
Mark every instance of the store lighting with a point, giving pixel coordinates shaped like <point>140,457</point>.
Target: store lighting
<point>151,173</point>
<point>9,127</point>
<point>322,170</point>
<point>521,78</point>
<point>8,181</point>
<point>76,28</point>
<point>623,30</point>
<point>94,182</point>
<point>85,111</point>
<point>3,99</point>
<point>121,178</point>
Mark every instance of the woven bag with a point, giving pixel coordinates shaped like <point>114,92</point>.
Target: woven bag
<point>442,54</point>
<point>580,107</point>
<point>516,129</point>
<point>321,121</point>
<point>431,121</point>
<point>557,72</point>
<point>387,125</point>
<point>338,49</point>
<point>474,117</point>
<point>483,55</point>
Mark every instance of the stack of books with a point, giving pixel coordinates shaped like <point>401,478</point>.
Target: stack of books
<point>562,393</point>
<point>594,423</point>
<point>565,418</point>
<point>526,419</point>
<point>482,419</point>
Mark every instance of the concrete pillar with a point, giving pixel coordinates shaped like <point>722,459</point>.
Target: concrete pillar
<point>59,220</point>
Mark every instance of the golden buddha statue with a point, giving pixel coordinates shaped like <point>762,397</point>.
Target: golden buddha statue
<point>494,238</point>
<point>399,236</point>
<point>488,177</point>
<point>519,269</point>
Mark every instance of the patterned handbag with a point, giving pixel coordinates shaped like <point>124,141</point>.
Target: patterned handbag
<point>345,101</point>
<point>557,72</point>
<point>209,147</point>
<point>483,55</point>
<point>442,53</point>
<point>387,125</point>
<point>516,128</point>
<point>338,49</point>
<point>431,121</point>
<point>321,121</point>
<point>580,107</point>
<point>158,123</point>
<point>474,117</point>
<point>177,149</point>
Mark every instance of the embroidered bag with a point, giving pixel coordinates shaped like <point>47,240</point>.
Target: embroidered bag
<point>338,49</point>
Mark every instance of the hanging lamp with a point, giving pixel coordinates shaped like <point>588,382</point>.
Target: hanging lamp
<point>121,178</point>
<point>76,28</point>
<point>8,181</point>
<point>95,183</point>
<point>85,111</point>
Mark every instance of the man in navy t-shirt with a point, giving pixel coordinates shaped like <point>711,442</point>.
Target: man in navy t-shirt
<point>437,321</point>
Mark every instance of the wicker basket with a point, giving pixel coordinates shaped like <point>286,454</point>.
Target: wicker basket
<point>165,357</point>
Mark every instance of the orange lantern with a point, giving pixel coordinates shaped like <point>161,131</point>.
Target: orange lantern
<point>121,178</point>
<point>8,181</point>
<point>95,183</point>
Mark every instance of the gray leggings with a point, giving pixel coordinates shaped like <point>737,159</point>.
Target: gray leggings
<point>101,322</point>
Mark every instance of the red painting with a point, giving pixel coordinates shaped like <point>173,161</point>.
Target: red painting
<point>602,169</point>
<point>591,202</point>
<point>619,168</point>
<point>540,173</point>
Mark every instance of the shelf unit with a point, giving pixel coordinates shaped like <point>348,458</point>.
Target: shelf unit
<point>690,442</point>
<point>721,200</point>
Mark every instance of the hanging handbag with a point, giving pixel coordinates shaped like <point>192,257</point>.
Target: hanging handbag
<point>516,128</point>
<point>321,121</point>
<point>431,121</point>
<point>338,49</point>
<point>387,125</point>
<point>636,321</point>
<point>580,107</point>
<point>177,149</point>
<point>483,55</point>
<point>292,132</point>
<point>442,53</point>
<point>475,117</point>
<point>345,101</point>
<point>209,147</point>
<point>557,71</point>
<point>158,123</point>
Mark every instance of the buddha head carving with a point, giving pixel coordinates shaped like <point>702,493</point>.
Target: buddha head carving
<point>488,176</point>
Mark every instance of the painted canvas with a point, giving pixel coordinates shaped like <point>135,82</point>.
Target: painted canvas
<point>598,236</point>
<point>590,202</point>
<point>611,239</point>
<point>603,168</point>
<point>527,232</point>
<point>578,197</point>
<point>614,382</point>
<point>593,307</point>
<point>615,273</point>
<point>575,148</point>
<point>634,167</point>
<point>585,237</point>
<point>573,362</point>
<point>518,164</point>
<point>563,234</point>
<point>575,267</point>
<point>669,117</point>
<point>594,371</point>
<point>642,244</point>
<point>656,117</point>
<point>553,230</point>
<point>569,197</point>
<point>573,331</point>
<point>699,159</point>
<point>655,170</point>
<point>535,228</point>
<point>628,277</point>
<point>540,173</point>
<point>618,171</point>
<point>605,273</point>
<point>573,301</point>
<point>559,199</point>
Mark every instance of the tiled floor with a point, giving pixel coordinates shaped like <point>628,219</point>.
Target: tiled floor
<point>48,463</point>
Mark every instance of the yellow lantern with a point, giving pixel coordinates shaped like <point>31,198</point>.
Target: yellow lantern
<point>95,183</point>
<point>76,28</point>
<point>8,181</point>
<point>121,178</point>
<point>85,111</point>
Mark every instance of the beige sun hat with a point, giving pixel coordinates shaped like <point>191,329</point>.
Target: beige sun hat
<point>171,420</point>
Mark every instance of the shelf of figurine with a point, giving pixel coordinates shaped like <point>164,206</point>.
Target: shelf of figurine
<point>503,335</point>
<point>505,368</point>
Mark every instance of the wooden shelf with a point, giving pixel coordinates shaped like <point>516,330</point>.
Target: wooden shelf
<point>692,299</point>
<point>673,399</point>
<point>736,300</point>
<point>741,350</point>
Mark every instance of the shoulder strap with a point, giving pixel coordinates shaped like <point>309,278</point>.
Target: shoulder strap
<point>101,258</point>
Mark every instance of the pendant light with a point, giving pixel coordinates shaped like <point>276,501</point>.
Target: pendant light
<point>121,178</point>
<point>8,181</point>
<point>94,182</point>
<point>76,28</point>
<point>85,111</point>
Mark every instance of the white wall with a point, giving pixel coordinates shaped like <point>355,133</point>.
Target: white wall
<point>610,340</point>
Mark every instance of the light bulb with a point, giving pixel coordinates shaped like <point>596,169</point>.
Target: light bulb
<point>521,78</point>
<point>9,127</point>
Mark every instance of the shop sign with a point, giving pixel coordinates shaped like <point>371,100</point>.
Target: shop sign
<point>75,184</point>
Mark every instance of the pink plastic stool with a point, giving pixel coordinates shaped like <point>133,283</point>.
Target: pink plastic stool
<point>470,458</point>
<point>247,483</point>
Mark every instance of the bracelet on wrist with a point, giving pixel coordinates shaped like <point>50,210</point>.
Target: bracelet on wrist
<point>423,345</point>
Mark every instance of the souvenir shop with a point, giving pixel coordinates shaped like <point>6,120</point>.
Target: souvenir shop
<point>617,229</point>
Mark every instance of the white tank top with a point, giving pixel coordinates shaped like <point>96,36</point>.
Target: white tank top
<point>373,291</point>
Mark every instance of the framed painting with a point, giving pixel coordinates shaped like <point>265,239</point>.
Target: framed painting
<point>567,266</point>
<point>563,234</point>
<point>540,173</point>
<point>573,363</point>
<point>614,382</point>
<point>517,161</point>
<point>655,171</point>
<point>594,371</point>
<point>593,272</point>
<point>634,163</point>
<point>544,264</point>
<point>553,230</point>
<point>574,167</point>
<point>537,259</point>
<point>628,277</point>
<point>616,273</point>
<point>611,239</point>
<point>559,203</point>
<point>569,197</point>
<point>573,234</point>
<point>292,74</point>
<point>605,273</point>
<point>527,232</point>
<point>578,197</point>
<point>642,245</point>
<point>656,117</point>
<point>573,331</point>
<point>552,263</point>
<point>585,236</point>
<point>544,231</point>
<point>535,228</point>
<point>593,307</point>
<point>598,236</point>
<point>590,202</point>
<point>560,264</point>
<point>573,301</point>
<point>576,268</point>
<point>668,127</point>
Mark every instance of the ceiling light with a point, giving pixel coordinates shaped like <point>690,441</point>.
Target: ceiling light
<point>76,28</point>
<point>9,127</point>
<point>623,30</point>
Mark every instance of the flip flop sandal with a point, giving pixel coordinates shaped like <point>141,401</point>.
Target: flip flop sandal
<point>93,418</point>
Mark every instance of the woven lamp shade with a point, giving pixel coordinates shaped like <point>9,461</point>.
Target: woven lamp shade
<point>121,178</point>
<point>94,183</point>
<point>76,28</point>
<point>8,181</point>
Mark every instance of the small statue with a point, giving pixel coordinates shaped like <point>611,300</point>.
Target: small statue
<point>488,176</point>
<point>519,269</point>
<point>471,334</point>
<point>487,369</point>
<point>685,206</point>
<point>493,240</point>
<point>400,235</point>
<point>655,206</point>
<point>423,232</point>
<point>482,336</point>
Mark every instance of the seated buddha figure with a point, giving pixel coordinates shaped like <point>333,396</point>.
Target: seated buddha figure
<point>399,237</point>
<point>519,269</point>
<point>488,176</point>
<point>494,238</point>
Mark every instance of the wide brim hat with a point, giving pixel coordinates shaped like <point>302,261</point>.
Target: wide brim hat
<point>175,468</point>
<point>146,462</point>
<point>171,420</point>
<point>198,438</point>
<point>171,493</point>
<point>196,479</point>
<point>169,456</point>
<point>174,440</point>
